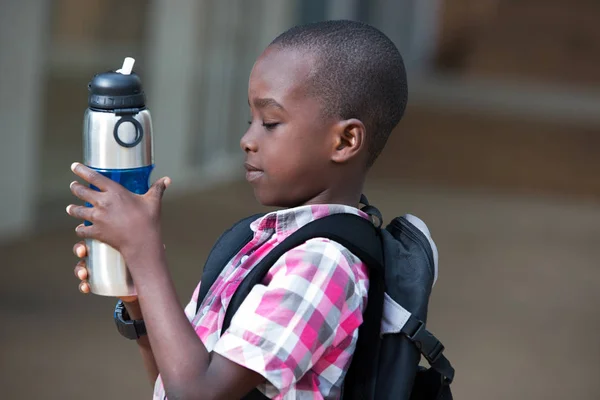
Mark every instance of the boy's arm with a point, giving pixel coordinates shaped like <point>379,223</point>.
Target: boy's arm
<point>187,370</point>
<point>312,302</point>
<point>130,223</point>
<point>313,291</point>
<point>135,313</point>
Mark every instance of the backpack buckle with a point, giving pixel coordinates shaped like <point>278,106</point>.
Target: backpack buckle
<point>428,345</point>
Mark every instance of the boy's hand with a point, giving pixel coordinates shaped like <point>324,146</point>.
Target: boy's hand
<point>124,220</point>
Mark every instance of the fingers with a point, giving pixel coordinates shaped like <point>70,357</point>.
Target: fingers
<point>158,188</point>
<point>89,175</point>
<point>81,212</point>
<point>84,193</point>
<point>80,250</point>
<point>129,299</point>
<point>81,271</point>
<point>84,287</point>
<point>85,232</point>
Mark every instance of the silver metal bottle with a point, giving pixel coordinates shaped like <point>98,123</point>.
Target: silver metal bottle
<point>117,141</point>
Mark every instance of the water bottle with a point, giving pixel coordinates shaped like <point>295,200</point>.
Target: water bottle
<point>117,142</point>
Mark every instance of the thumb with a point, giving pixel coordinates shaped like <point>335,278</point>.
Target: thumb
<point>158,188</point>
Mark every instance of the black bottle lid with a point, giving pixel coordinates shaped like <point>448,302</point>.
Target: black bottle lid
<point>115,90</point>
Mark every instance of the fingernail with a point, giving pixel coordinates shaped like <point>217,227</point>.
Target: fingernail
<point>80,274</point>
<point>73,166</point>
<point>68,208</point>
<point>72,183</point>
<point>80,251</point>
<point>167,182</point>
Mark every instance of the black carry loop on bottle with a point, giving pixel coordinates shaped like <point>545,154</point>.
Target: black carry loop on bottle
<point>402,262</point>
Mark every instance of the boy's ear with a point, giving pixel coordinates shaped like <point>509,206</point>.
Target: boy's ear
<point>349,140</point>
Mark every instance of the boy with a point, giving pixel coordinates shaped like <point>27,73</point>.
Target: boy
<point>324,98</point>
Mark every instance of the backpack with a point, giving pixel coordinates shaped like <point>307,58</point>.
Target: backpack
<point>402,262</point>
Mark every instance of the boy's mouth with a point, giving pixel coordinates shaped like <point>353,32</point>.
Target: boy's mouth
<point>252,172</point>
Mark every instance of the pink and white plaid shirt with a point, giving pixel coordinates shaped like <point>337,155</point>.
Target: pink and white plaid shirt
<point>299,328</point>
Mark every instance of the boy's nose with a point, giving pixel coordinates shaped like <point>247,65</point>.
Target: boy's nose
<point>247,143</point>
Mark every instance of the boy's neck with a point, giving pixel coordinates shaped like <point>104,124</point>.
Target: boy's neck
<point>346,192</point>
<point>350,198</point>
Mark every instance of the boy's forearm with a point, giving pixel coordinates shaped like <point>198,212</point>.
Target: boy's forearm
<point>186,368</point>
<point>148,359</point>
<point>135,312</point>
<point>177,351</point>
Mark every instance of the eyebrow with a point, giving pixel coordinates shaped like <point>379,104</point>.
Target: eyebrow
<point>266,102</point>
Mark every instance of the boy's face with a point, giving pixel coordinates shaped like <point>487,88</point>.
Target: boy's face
<point>289,143</point>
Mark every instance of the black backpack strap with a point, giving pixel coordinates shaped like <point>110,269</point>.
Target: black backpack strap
<point>362,239</point>
<point>226,247</point>
<point>371,210</point>
<point>431,348</point>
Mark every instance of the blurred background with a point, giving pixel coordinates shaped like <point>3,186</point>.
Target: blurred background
<point>498,153</point>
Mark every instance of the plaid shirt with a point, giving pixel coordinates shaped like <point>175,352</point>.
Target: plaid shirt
<point>299,328</point>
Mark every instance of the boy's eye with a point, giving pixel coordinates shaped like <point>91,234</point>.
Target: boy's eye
<point>267,125</point>
<point>270,125</point>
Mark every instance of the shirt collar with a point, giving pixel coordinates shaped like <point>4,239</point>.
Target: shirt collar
<point>285,222</point>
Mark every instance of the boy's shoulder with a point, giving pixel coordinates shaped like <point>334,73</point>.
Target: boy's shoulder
<point>319,261</point>
<point>317,252</point>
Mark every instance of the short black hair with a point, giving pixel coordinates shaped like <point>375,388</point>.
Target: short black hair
<point>360,74</point>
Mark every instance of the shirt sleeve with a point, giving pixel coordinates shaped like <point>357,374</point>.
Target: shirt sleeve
<point>190,308</point>
<point>312,300</point>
